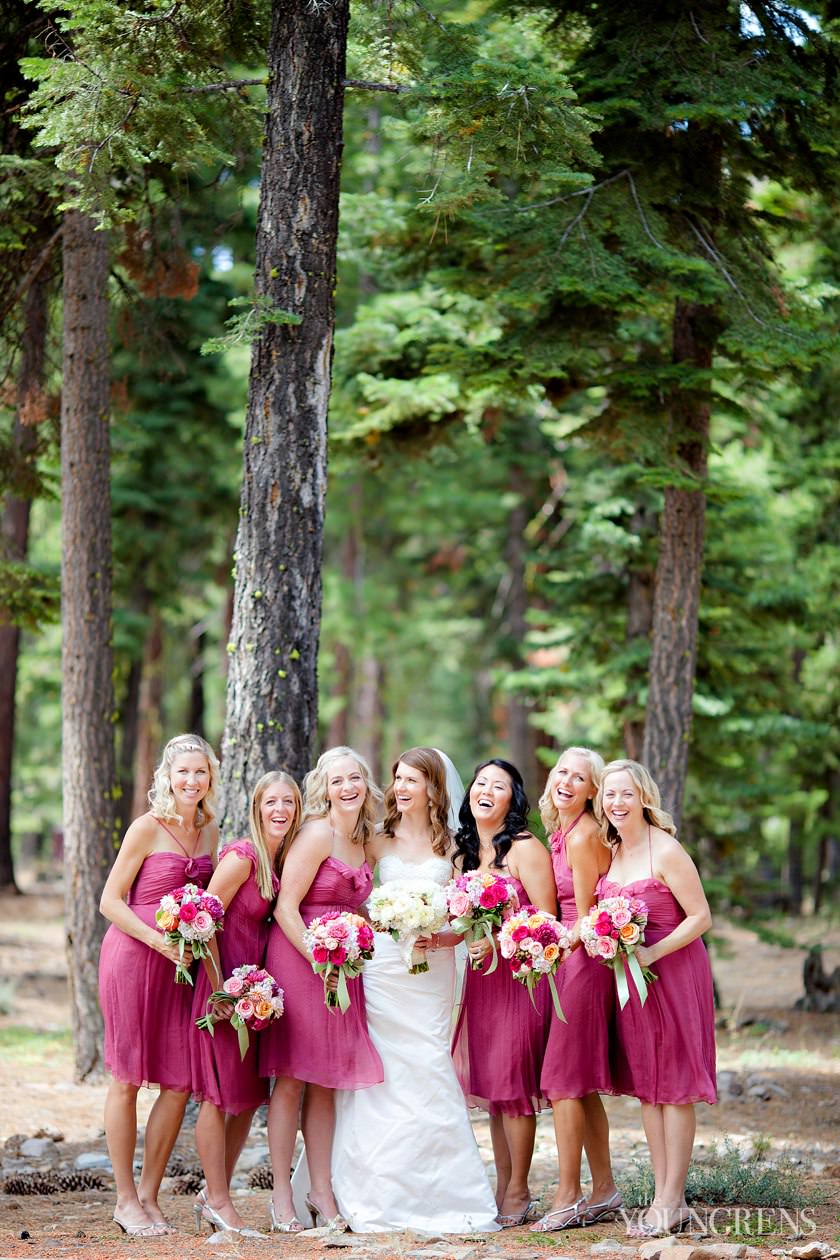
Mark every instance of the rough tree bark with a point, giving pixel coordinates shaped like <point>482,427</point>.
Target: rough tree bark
<point>272,679</point>
<point>89,767</point>
<point>678,572</point>
<point>15,542</point>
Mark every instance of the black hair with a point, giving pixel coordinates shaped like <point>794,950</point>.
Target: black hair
<point>467,849</point>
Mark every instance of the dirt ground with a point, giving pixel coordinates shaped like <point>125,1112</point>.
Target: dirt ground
<point>786,1065</point>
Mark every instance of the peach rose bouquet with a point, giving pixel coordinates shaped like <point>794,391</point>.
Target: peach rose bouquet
<point>256,998</point>
<point>612,931</point>
<point>535,944</point>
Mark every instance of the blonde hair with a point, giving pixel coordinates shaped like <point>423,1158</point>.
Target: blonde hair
<point>255,826</point>
<point>316,801</point>
<point>161,799</point>
<point>549,813</point>
<point>430,764</point>
<point>648,791</point>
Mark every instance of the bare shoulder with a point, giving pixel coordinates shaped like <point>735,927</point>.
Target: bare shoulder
<point>141,834</point>
<point>668,853</point>
<point>586,837</point>
<point>314,839</point>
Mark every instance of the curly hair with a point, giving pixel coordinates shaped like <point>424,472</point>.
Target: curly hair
<point>549,813</point>
<point>161,799</point>
<point>316,802</point>
<point>255,826</point>
<point>648,791</point>
<point>430,764</point>
<point>467,843</point>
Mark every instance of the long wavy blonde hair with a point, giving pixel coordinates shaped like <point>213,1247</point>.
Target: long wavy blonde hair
<point>549,813</point>
<point>161,799</point>
<point>648,791</point>
<point>255,826</point>
<point>430,764</point>
<point>316,801</point>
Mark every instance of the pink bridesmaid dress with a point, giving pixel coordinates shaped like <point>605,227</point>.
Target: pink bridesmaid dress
<point>577,1056</point>
<point>219,1075</point>
<point>147,1015</point>
<point>311,1043</point>
<point>665,1050</point>
<point>500,1038</point>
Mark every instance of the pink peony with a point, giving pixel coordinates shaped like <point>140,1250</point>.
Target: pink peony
<point>339,955</point>
<point>320,954</point>
<point>213,906</point>
<point>489,898</point>
<point>340,931</point>
<point>187,912</point>
<point>520,933</point>
<point>365,936</point>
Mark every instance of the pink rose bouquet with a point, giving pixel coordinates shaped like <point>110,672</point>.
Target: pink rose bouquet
<point>189,916</point>
<point>338,942</point>
<point>477,903</point>
<point>535,944</point>
<point>256,998</point>
<point>612,931</point>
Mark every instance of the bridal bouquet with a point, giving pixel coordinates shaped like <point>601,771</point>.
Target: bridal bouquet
<point>477,903</point>
<point>408,909</point>
<point>612,931</point>
<point>338,942</point>
<point>534,943</point>
<point>189,916</point>
<point>256,998</point>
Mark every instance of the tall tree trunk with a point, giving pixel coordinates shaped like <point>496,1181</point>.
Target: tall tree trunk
<point>89,767</point>
<point>15,542</point>
<point>678,573</point>
<point>198,643</point>
<point>272,680</point>
<point>639,623</point>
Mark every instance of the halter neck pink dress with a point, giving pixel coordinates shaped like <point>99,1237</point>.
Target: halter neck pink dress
<point>577,1056</point>
<point>147,1015</point>
<point>665,1050</point>
<point>311,1043</point>
<point>500,1038</point>
<point>219,1075</point>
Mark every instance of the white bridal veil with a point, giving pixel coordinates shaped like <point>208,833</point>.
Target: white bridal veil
<point>454,787</point>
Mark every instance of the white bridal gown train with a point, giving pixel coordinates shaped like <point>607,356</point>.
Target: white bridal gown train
<point>404,1154</point>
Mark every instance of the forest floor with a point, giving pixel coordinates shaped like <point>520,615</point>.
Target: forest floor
<point>779,1070</point>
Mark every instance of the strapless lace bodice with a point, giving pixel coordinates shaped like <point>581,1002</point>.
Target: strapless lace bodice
<point>435,869</point>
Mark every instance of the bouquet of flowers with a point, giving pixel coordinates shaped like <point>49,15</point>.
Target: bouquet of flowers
<point>408,909</point>
<point>256,998</point>
<point>341,942</point>
<point>612,931</point>
<point>478,903</point>
<point>534,942</point>
<point>189,916</point>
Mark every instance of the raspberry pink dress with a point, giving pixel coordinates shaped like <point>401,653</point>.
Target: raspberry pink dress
<point>665,1050</point>
<point>219,1075</point>
<point>577,1056</point>
<point>311,1043</point>
<point>500,1038</point>
<point>147,1015</point>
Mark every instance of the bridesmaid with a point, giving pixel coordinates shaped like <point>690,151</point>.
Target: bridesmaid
<point>229,1088</point>
<point>312,1050</point>
<point>577,1057</point>
<point>147,1015</point>
<point>500,1038</point>
<point>666,1049</point>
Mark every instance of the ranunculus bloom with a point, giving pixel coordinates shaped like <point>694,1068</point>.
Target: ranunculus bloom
<point>338,955</point>
<point>187,912</point>
<point>519,933</point>
<point>488,898</point>
<point>320,954</point>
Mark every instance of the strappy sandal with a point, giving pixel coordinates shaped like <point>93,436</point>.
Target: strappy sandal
<point>572,1216</point>
<point>509,1220</point>
<point>603,1211</point>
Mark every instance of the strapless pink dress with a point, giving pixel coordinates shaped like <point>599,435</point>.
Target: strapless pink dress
<point>147,1015</point>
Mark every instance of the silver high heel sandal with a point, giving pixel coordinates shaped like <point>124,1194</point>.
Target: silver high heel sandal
<point>291,1226</point>
<point>604,1211</point>
<point>572,1216</point>
<point>336,1222</point>
<point>212,1217</point>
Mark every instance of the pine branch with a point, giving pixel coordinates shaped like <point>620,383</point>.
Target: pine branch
<point>31,275</point>
<point>229,86</point>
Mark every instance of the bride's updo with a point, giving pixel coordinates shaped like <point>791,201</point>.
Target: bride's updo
<point>430,764</point>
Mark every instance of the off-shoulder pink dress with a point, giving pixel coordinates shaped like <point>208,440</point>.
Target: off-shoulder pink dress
<point>147,1015</point>
<point>665,1050</point>
<point>311,1043</point>
<point>500,1038</point>
<point>219,1075</point>
<point>577,1056</point>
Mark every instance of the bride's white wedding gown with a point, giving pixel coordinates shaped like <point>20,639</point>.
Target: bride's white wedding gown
<point>404,1154</point>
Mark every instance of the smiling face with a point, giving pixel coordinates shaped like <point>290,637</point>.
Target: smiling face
<point>189,778</point>
<point>491,795</point>
<point>346,788</point>
<point>278,810</point>
<point>411,789</point>
<point>621,800</point>
<point>571,784</point>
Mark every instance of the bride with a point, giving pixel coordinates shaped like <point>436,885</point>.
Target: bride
<point>404,1155</point>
